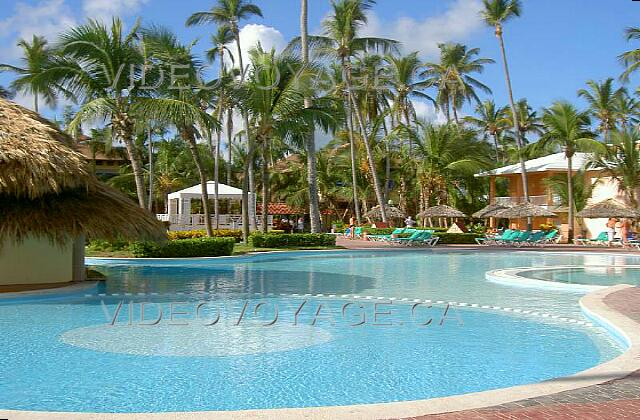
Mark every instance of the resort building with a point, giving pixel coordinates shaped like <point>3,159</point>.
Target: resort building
<point>540,193</point>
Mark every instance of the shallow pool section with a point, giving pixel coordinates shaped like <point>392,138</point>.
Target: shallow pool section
<point>293,330</point>
<point>607,275</point>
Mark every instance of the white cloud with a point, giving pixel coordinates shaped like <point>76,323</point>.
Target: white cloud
<point>253,34</point>
<point>105,9</point>
<point>426,111</point>
<point>47,18</point>
<point>459,21</point>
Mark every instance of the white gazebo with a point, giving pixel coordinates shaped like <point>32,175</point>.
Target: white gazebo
<point>179,206</point>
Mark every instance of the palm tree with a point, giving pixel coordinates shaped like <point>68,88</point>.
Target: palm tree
<point>341,41</point>
<point>220,40</point>
<point>602,99</point>
<point>230,13</point>
<point>630,59</point>
<point>491,120</point>
<point>36,55</point>
<point>312,172</point>
<point>495,14</point>
<point>180,104</point>
<point>621,161</point>
<point>568,128</point>
<point>279,111</point>
<point>94,65</point>
<point>452,77</point>
<point>528,121</point>
<point>5,93</point>
<point>627,111</point>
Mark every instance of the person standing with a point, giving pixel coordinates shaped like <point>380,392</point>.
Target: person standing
<point>352,227</point>
<point>625,229</point>
<point>611,230</point>
<point>409,222</point>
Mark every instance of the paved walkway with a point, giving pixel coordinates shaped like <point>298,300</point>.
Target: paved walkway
<point>618,399</point>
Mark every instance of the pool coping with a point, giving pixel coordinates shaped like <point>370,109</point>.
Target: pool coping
<point>593,305</point>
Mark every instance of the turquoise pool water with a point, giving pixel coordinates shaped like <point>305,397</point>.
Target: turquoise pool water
<point>189,335</point>
<point>590,275</point>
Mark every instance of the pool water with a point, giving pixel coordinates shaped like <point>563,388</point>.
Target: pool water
<point>590,275</point>
<point>293,330</point>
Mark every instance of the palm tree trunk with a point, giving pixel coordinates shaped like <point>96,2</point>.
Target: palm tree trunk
<point>35,101</point>
<point>189,137</point>
<point>151,171</point>
<point>312,174</point>
<point>496,145</point>
<point>570,194</point>
<point>352,150</point>
<point>216,175</point>
<point>265,185</point>
<point>455,115</point>
<point>372,165</point>
<point>514,112</point>
<point>387,163</point>
<point>136,167</point>
<point>229,143</point>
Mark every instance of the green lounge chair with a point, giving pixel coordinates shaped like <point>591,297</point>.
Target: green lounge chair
<point>519,239</point>
<point>601,239</point>
<point>397,231</point>
<point>508,238</point>
<point>415,238</point>
<point>429,239</point>
<point>492,240</point>
<point>535,238</point>
<point>551,237</point>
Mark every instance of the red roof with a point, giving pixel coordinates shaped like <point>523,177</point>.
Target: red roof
<point>281,208</point>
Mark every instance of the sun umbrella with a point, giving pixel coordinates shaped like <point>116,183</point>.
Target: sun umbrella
<point>490,211</point>
<point>608,208</point>
<point>391,211</point>
<point>525,210</point>
<point>442,211</point>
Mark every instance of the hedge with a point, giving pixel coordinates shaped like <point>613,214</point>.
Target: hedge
<point>184,248</point>
<point>457,238</point>
<point>270,240</point>
<point>192,234</point>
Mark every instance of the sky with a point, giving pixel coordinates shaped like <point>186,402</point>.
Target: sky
<point>553,48</point>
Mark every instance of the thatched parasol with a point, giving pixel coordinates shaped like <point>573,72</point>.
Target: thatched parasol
<point>608,208</point>
<point>35,158</point>
<point>490,211</point>
<point>391,211</point>
<point>442,211</point>
<point>525,210</point>
<point>47,190</point>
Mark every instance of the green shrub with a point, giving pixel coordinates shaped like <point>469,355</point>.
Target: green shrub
<point>184,248</point>
<point>192,234</point>
<point>457,238</point>
<point>99,245</point>
<point>270,240</point>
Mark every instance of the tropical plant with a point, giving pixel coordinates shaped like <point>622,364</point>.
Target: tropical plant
<point>582,188</point>
<point>491,120</point>
<point>230,13</point>
<point>621,161</point>
<point>182,104</point>
<point>568,129</point>
<point>529,122</point>
<point>341,42</point>
<point>627,111</point>
<point>36,56</point>
<point>630,59</point>
<point>405,81</point>
<point>452,76</point>
<point>5,93</point>
<point>496,13</point>
<point>602,98</point>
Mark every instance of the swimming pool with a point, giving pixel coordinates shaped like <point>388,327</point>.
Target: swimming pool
<point>352,327</point>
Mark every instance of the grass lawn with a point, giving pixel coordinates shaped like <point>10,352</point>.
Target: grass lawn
<point>239,249</point>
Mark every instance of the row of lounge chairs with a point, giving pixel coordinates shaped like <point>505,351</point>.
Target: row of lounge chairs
<point>514,237</point>
<point>399,237</point>
<point>603,240</point>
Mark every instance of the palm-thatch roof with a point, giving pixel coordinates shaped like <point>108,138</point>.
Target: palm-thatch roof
<point>441,211</point>
<point>35,158</point>
<point>47,189</point>
<point>525,210</point>
<point>609,208</point>
<point>391,211</point>
<point>490,211</point>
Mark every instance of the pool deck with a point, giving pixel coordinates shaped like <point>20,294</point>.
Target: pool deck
<point>607,391</point>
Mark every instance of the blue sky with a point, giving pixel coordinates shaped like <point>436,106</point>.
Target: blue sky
<point>554,48</point>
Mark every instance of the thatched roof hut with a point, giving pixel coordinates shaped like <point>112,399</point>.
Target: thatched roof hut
<point>391,211</point>
<point>442,211</point>
<point>609,208</point>
<point>49,201</point>
<point>47,189</point>
<point>490,211</point>
<point>525,210</point>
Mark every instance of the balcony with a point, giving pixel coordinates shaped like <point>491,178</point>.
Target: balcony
<point>538,200</point>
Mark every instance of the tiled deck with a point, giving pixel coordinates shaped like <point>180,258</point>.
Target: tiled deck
<point>617,399</point>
